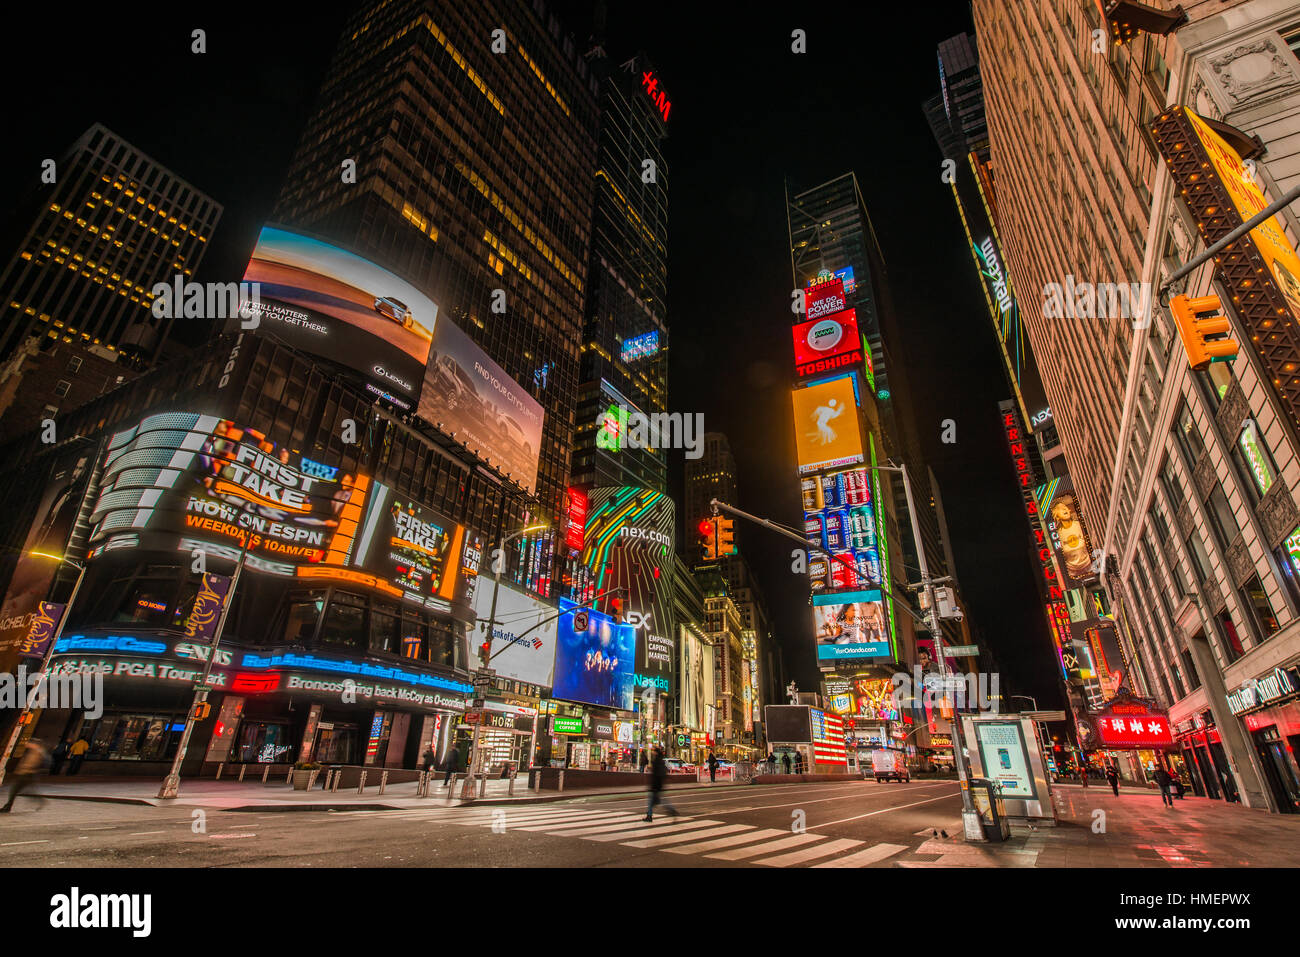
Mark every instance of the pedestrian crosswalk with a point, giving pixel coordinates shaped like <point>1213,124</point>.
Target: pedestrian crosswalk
<point>684,835</point>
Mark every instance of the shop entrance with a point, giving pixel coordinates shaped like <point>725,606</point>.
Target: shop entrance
<point>1279,770</point>
<point>263,742</point>
<point>336,743</point>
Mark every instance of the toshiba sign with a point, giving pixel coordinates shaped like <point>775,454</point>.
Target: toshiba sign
<point>824,345</point>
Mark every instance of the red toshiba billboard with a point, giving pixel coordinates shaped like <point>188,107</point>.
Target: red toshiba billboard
<point>825,299</point>
<point>824,345</point>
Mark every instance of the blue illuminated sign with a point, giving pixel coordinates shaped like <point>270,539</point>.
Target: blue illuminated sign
<point>638,347</point>
<point>309,662</point>
<point>123,643</point>
<point>316,470</point>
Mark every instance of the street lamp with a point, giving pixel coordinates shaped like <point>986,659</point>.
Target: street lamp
<point>483,675</point>
<point>49,653</point>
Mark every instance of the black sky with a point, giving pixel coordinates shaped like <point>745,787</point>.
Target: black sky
<point>747,113</point>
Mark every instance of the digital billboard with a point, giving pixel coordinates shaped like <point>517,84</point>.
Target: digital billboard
<point>523,641</point>
<point>826,425</point>
<point>471,398</point>
<point>850,626</point>
<point>1004,757</point>
<point>827,344</point>
<point>1069,537</point>
<point>824,299</point>
<point>861,697</point>
<point>840,519</point>
<point>594,658</point>
<point>332,303</point>
<point>410,545</point>
<point>696,678</point>
<point>827,738</point>
<point>1101,641</point>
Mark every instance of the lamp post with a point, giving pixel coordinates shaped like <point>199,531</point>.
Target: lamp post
<point>483,675</point>
<point>171,784</point>
<point>42,673</point>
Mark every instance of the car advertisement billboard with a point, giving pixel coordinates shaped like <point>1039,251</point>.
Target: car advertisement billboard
<point>827,344</point>
<point>594,658</point>
<point>322,299</point>
<point>826,425</point>
<point>471,398</point>
<point>523,641</point>
<point>850,626</point>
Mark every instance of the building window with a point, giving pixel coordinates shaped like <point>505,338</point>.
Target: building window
<point>1254,459</point>
<point>1231,641</point>
<point>61,387</point>
<point>1288,560</point>
<point>304,612</point>
<point>1222,521</point>
<point>74,364</point>
<point>345,621</point>
<point>1260,612</point>
<point>1189,669</point>
<point>1196,553</point>
<point>1215,381</point>
<point>1189,438</point>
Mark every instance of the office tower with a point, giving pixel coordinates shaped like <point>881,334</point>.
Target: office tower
<point>1183,477</point>
<point>474,175</point>
<point>112,224</point>
<point>624,363</point>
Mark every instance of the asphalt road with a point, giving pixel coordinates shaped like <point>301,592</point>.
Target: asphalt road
<point>851,824</point>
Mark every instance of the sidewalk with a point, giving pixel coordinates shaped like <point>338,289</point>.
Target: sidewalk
<point>1133,830</point>
<point>279,796</point>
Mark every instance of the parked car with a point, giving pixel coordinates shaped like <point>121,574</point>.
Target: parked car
<point>678,766</point>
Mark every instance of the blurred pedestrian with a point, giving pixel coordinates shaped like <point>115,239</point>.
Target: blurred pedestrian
<point>453,764</point>
<point>34,759</point>
<point>658,776</point>
<point>1164,781</point>
<point>57,757</point>
<point>713,768</point>
<point>1112,775</point>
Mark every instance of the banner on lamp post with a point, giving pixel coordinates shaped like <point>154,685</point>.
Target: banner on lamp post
<point>202,623</point>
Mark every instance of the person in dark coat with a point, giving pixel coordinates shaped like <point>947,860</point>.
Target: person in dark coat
<point>430,759</point>
<point>713,768</point>
<point>785,762</point>
<point>771,762</point>
<point>453,765</point>
<point>33,761</point>
<point>1112,776</point>
<point>58,756</point>
<point>658,776</point>
<point>1164,781</point>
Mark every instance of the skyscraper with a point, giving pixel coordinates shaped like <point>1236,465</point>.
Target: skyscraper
<point>1184,478</point>
<point>624,363</point>
<point>111,224</point>
<point>474,161</point>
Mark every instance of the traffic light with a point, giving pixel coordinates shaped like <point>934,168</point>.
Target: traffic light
<point>709,538</point>
<point>726,536</point>
<point>1204,330</point>
<point>485,653</point>
<point>202,710</point>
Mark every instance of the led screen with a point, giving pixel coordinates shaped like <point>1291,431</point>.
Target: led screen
<point>593,664</point>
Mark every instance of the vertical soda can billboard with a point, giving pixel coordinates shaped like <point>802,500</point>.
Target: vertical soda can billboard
<point>826,425</point>
<point>594,658</point>
<point>468,396</point>
<point>330,302</point>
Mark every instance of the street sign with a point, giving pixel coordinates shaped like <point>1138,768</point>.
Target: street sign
<point>960,651</point>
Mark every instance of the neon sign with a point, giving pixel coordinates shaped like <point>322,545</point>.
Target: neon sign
<point>650,83</point>
<point>639,347</point>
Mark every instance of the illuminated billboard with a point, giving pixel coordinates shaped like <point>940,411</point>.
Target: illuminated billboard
<point>824,299</point>
<point>826,425</point>
<point>840,519</point>
<point>824,345</point>
<point>411,546</point>
<point>1100,640</point>
<point>640,347</point>
<point>575,518</point>
<point>523,641</point>
<point>470,397</point>
<point>594,658</point>
<point>332,303</point>
<point>696,678</point>
<point>1069,536</point>
<point>850,626</point>
<point>827,738</point>
<point>860,697</point>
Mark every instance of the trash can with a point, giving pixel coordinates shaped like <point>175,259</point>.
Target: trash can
<point>986,795</point>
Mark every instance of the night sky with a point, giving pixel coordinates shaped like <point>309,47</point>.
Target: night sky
<point>747,114</point>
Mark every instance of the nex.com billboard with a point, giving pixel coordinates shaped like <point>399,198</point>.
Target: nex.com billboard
<point>332,303</point>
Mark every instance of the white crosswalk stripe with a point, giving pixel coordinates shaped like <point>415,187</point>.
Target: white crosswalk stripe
<point>748,837</point>
<point>560,827</point>
<point>695,835</point>
<point>650,830</point>
<point>743,853</point>
<point>615,829</point>
<point>872,854</point>
<point>809,853</point>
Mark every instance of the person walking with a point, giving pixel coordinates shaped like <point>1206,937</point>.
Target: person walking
<point>658,775</point>
<point>453,764</point>
<point>1164,781</point>
<point>34,759</point>
<point>77,754</point>
<point>1112,775</point>
<point>430,760</point>
<point>713,769</point>
<point>798,763</point>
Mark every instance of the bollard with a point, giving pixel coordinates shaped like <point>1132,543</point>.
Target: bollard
<point>482,784</point>
<point>511,790</point>
<point>220,767</point>
<point>338,776</point>
<point>537,785</point>
<point>451,787</point>
<point>361,784</point>
<point>383,782</point>
<point>288,778</point>
<point>311,780</point>
<point>242,769</point>
<point>561,780</point>
<point>265,771</point>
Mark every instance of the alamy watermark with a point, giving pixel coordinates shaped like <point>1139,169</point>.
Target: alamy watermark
<point>80,692</point>
<point>977,690</point>
<point>621,427</point>
<point>179,299</point>
<point>1101,300</point>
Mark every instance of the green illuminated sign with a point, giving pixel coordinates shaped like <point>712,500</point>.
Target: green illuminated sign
<point>561,725</point>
